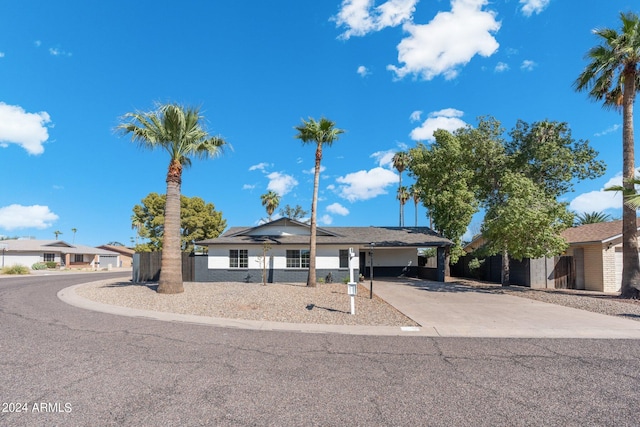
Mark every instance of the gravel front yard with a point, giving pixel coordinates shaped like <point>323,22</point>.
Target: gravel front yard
<point>326,304</point>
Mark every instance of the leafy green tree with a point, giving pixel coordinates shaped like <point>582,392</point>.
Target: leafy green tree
<point>270,201</point>
<point>198,221</point>
<point>401,161</point>
<point>477,167</point>
<point>445,186</point>
<point>320,133</point>
<point>178,131</point>
<point>293,212</point>
<point>591,218</point>
<point>613,78</point>
<point>526,223</point>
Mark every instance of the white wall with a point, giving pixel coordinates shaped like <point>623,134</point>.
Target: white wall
<point>327,257</point>
<point>23,258</point>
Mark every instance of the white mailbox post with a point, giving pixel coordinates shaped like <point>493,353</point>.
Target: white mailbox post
<point>352,286</point>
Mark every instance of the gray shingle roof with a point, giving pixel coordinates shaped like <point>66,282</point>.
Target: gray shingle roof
<point>381,236</point>
<point>57,246</point>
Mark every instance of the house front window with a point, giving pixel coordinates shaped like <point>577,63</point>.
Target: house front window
<point>344,258</point>
<point>297,258</point>
<point>239,258</point>
<point>49,257</point>
<point>78,258</point>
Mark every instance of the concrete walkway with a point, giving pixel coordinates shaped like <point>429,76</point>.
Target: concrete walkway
<point>442,310</point>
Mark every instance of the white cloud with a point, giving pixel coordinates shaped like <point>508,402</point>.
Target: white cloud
<point>37,43</point>
<point>1,54</point>
<point>527,65</point>
<point>260,166</point>
<point>363,71</point>
<point>533,6</point>
<point>364,185</point>
<point>25,129</point>
<point>326,219</point>
<point>312,171</point>
<point>17,216</point>
<point>248,187</point>
<point>359,18</point>
<point>415,116</point>
<point>608,130</point>
<point>338,209</point>
<point>501,67</point>
<point>596,201</point>
<point>54,51</point>
<point>384,158</point>
<point>447,119</point>
<point>281,183</point>
<point>449,41</point>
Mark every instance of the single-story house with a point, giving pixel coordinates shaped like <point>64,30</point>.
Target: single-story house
<point>593,261</point>
<point>126,254</point>
<point>597,253</point>
<point>27,252</point>
<point>237,254</point>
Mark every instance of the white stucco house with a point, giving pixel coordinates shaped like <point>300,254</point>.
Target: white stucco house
<point>27,252</point>
<point>237,254</point>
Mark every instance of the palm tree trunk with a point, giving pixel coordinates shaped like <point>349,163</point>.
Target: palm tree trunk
<point>311,278</point>
<point>171,264</point>
<point>399,187</point>
<point>630,263</point>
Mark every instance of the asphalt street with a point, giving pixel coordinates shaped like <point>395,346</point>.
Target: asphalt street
<point>65,366</point>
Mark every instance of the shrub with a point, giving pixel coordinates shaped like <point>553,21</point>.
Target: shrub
<point>39,266</point>
<point>16,269</point>
<point>51,264</point>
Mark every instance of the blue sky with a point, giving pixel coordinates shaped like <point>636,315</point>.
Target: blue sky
<point>388,72</point>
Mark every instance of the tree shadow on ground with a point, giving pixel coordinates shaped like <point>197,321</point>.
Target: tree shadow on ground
<point>152,286</point>
<point>332,310</point>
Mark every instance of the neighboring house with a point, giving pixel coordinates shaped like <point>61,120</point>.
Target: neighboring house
<point>126,254</point>
<point>236,256</point>
<point>593,261</point>
<point>597,253</point>
<point>27,252</point>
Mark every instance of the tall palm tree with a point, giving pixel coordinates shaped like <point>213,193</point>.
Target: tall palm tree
<point>415,194</point>
<point>321,133</point>
<point>177,130</point>
<point>57,233</point>
<point>403,196</point>
<point>400,163</point>
<point>592,218</point>
<point>270,201</point>
<point>74,231</point>
<point>612,76</point>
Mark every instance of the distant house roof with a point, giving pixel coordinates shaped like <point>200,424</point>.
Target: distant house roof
<point>381,236</point>
<point>58,246</point>
<point>122,250</point>
<point>595,233</point>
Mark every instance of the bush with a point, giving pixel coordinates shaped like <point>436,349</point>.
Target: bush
<point>16,269</point>
<point>39,266</point>
<point>51,264</point>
